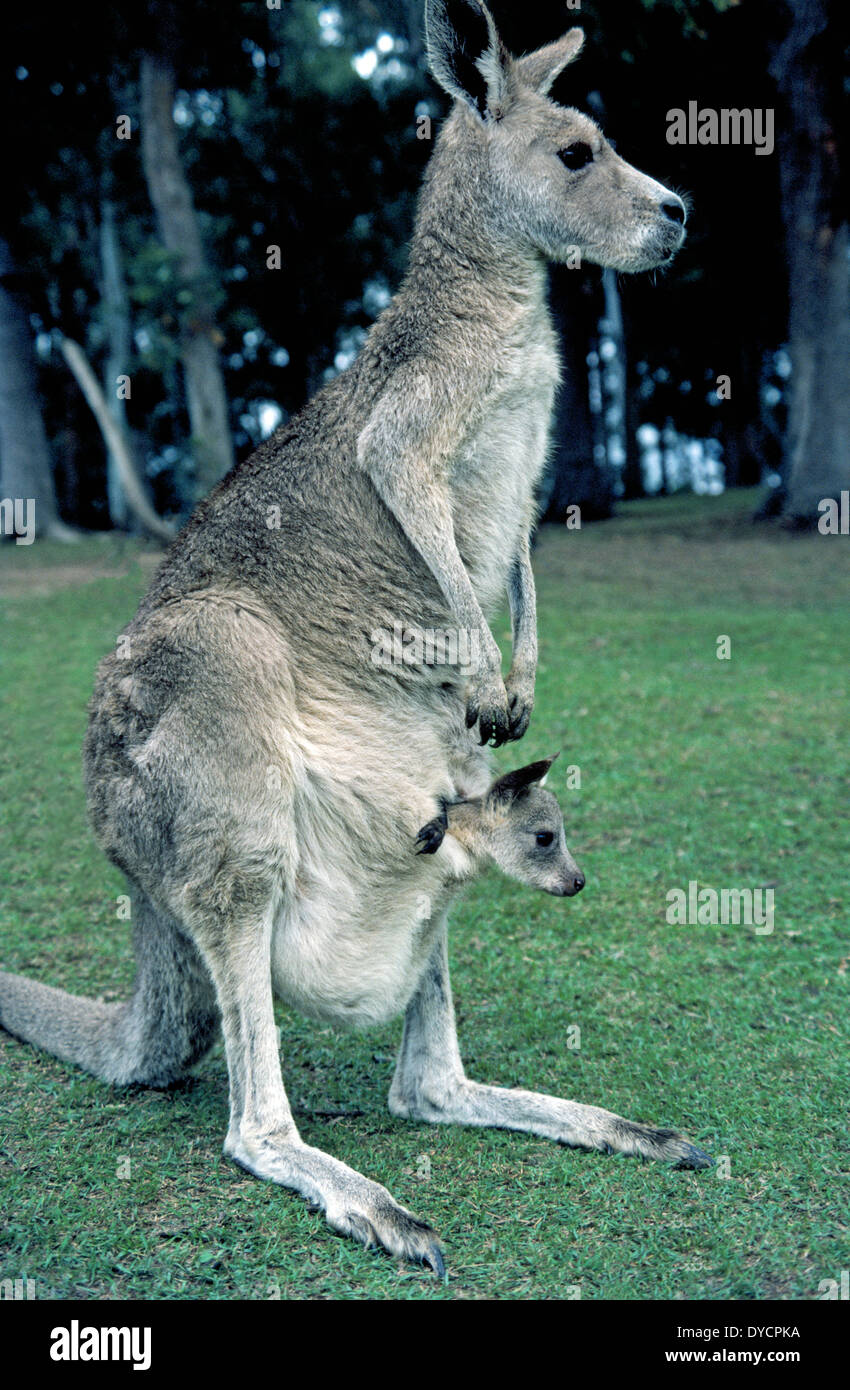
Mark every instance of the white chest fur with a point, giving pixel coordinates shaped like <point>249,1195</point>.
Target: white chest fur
<point>355,957</point>
<point>496,474</point>
<point>356,969</point>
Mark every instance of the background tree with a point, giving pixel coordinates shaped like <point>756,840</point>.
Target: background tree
<point>177,222</point>
<point>809,64</point>
<point>25,466</point>
<point>116,314</point>
<point>299,129</point>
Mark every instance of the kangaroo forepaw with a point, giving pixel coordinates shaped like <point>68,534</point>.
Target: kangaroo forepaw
<point>489,710</point>
<point>431,836</point>
<point>520,691</point>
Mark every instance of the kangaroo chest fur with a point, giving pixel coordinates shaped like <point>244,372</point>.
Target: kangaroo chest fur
<point>357,968</point>
<point>496,473</point>
<point>355,958</point>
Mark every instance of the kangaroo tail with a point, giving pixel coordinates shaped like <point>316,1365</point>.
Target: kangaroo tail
<point>152,1039</point>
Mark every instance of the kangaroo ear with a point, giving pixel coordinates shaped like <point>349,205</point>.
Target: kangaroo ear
<point>466,55</point>
<point>539,69</point>
<point>506,789</point>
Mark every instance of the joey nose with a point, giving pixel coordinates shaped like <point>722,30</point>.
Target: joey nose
<point>674,208</point>
<point>567,885</point>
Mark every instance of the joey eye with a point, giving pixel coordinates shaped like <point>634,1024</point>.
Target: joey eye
<point>544,838</point>
<point>575,156</point>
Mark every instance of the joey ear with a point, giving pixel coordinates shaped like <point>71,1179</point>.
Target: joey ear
<point>550,762</point>
<point>466,55</point>
<point>539,69</point>
<point>506,789</point>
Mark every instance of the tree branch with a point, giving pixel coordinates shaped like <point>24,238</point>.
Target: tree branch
<point>114,440</point>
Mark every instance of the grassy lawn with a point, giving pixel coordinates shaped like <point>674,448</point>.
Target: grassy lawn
<point>733,772</point>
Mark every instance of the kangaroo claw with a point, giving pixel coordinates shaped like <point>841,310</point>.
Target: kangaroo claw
<point>433,1258</point>
<point>431,836</point>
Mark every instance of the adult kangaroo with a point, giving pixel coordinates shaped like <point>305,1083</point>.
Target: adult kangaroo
<point>257,761</point>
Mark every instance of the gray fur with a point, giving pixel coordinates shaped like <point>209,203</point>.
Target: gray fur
<point>258,777</point>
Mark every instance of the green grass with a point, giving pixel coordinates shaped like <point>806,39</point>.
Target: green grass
<point>734,773</point>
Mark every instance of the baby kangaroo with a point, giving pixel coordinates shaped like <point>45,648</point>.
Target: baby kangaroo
<point>516,825</point>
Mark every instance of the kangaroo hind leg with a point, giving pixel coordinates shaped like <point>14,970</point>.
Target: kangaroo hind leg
<point>431,1084</point>
<point>262,1136</point>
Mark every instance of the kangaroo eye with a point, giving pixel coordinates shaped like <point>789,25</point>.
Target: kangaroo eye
<point>576,156</point>
<point>544,838</point>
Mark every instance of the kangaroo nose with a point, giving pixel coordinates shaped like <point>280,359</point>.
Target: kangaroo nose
<point>674,208</point>
<point>578,882</point>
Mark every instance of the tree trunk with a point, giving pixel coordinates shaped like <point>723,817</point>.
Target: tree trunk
<point>117,324</point>
<point>415,32</point>
<point>807,66</point>
<point>620,447</point>
<point>750,451</point>
<point>575,477</point>
<point>25,467</point>
<point>115,440</point>
<point>632,475</point>
<point>177,221</point>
